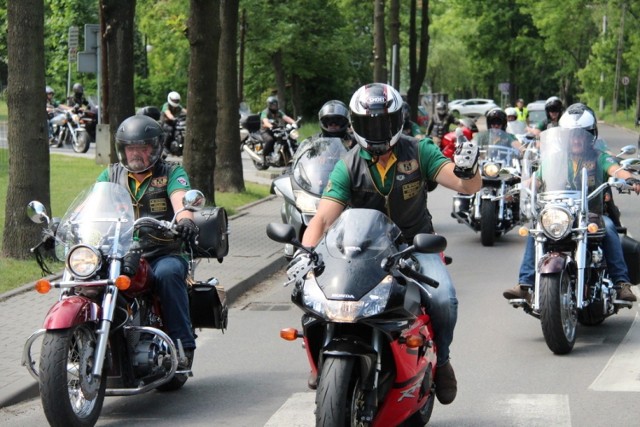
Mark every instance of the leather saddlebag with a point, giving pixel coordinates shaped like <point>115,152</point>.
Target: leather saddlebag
<point>631,250</point>
<point>213,240</point>
<point>208,305</point>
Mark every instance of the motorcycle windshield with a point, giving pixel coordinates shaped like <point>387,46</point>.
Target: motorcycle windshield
<point>101,216</point>
<point>516,127</point>
<point>495,145</point>
<point>313,162</point>
<point>352,251</point>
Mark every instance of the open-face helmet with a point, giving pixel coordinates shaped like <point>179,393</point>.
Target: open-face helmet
<point>512,113</point>
<point>553,104</point>
<point>173,98</point>
<point>272,103</point>
<point>334,112</point>
<point>77,89</point>
<point>376,117</point>
<point>49,90</point>
<point>139,130</point>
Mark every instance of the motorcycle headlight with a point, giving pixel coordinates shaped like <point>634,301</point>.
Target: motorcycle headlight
<point>306,202</point>
<point>556,222</point>
<point>490,169</point>
<point>347,311</point>
<point>83,261</point>
<point>294,134</point>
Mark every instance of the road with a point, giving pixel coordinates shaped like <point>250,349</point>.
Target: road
<point>507,376</point>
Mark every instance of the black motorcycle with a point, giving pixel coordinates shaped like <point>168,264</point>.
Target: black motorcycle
<point>176,144</point>
<point>252,143</point>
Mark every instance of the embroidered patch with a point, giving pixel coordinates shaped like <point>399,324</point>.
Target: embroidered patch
<point>411,189</point>
<point>158,205</point>
<point>160,181</point>
<point>408,167</point>
<point>182,181</point>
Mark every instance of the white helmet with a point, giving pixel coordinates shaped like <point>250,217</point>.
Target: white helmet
<point>173,99</point>
<point>511,112</point>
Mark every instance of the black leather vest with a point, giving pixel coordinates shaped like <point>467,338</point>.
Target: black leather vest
<point>154,203</point>
<point>406,203</point>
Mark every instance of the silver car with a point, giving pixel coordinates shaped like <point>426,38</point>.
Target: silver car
<point>475,107</point>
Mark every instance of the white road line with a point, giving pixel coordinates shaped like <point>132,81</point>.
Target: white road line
<point>533,410</point>
<point>622,372</point>
<point>297,411</point>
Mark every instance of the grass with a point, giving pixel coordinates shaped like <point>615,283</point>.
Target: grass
<point>69,175</point>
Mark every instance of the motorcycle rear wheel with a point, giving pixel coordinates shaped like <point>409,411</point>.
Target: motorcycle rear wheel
<point>558,312</point>
<point>488,222</point>
<point>82,142</point>
<point>70,395</point>
<point>335,403</point>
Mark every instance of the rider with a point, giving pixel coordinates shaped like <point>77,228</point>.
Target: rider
<point>497,120</point>
<point>171,110</point>
<point>553,109</point>
<point>598,163</point>
<point>52,104</point>
<point>77,99</point>
<point>334,122</point>
<point>409,127</point>
<point>388,172</point>
<point>272,117</point>
<point>156,189</point>
<point>440,122</point>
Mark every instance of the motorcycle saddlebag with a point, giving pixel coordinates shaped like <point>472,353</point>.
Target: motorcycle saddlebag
<point>251,123</point>
<point>208,305</point>
<point>213,240</point>
<point>631,250</point>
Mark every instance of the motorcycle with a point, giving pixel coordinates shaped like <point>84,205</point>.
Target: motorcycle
<point>176,145</point>
<point>572,284</point>
<point>495,209</point>
<point>302,186</point>
<point>366,332</point>
<point>69,129</point>
<point>284,147</point>
<point>105,335</point>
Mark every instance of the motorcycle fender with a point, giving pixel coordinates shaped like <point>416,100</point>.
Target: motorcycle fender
<point>553,262</point>
<point>350,348</point>
<point>72,311</point>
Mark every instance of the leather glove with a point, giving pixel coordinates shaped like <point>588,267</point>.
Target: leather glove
<point>299,265</point>
<point>465,157</point>
<point>131,260</point>
<point>188,230</point>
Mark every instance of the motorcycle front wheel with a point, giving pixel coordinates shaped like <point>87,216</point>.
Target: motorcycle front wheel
<point>82,142</point>
<point>260,165</point>
<point>70,395</point>
<point>488,220</point>
<point>338,398</point>
<point>558,312</point>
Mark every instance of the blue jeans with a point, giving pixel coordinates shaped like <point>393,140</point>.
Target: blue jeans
<point>170,272</point>
<point>611,248</point>
<point>444,303</point>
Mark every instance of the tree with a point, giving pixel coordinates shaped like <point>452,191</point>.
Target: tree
<point>27,132</point>
<point>379,43</point>
<point>203,33</point>
<point>228,171</point>
<point>417,56</point>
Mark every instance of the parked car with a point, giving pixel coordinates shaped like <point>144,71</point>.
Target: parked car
<point>536,112</point>
<point>455,102</point>
<point>473,107</point>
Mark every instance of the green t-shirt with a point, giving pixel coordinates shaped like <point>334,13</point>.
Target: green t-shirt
<point>339,186</point>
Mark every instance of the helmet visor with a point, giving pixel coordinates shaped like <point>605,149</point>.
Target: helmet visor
<point>139,155</point>
<point>377,127</point>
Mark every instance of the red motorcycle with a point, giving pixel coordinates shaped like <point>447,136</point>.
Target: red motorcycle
<point>105,335</point>
<point>368,337</point>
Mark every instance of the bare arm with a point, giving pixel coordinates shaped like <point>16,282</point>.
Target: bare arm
<point>176,203</point>
<point>447,178</point>
<point>328,212</point>
<point>266,123</point>
<point>622,174</point>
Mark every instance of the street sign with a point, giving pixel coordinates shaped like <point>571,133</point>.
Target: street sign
<point>73,54</point>
<point>88,59</point>
<point>72,39</point>
<point>625,80</point>
<point>503,87</point>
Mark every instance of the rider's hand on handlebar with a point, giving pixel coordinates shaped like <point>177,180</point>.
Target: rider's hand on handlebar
<point>635,183</point>
<point>298,266</point>
<point>188,230</point>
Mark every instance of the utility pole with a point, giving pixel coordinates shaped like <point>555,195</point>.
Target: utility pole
<point>616,85</point>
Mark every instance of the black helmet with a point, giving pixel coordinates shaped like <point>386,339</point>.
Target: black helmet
<point>442,109</point>
<point>334,112</point>
<point>78,89</point>
<point>496,115</point>
<point>272,101</point>
<point>553,104</point>
<point>49,90</point>
<point>150,111</point>
<point>139,130</point>
<point>580,116</point>
<point>376,117</point>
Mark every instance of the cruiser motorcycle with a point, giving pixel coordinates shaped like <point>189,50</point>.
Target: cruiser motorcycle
<point>495,209</point>
<point>69,128</point>
<point>302,186</point>
<point>105,334</point>
<point>572,284</point>
<point>284,147</point>
<point>366,332</point>
<point>176,145</point>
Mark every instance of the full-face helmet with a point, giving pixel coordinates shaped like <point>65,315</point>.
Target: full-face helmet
<point>442,109</point>
<point>376,117</point>
<point>139,130</point>
<point>553,104</point>
<point>173,98</point>
<point>77,89</point>
<point>579,116</point>
<point>49,90</point>
<point>496,116</point>
<point>334,112</point>
<point>272,103</point>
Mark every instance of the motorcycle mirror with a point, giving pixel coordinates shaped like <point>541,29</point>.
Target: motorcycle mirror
<point>37,212</point>
<point>282,233</point>
<point>631,164</point>
<point>193,200</point>
<point>507,173</point>
<point>429,243</point>
<point>627,150</point>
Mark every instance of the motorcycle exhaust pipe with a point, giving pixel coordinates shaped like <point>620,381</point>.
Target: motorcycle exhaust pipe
<point>252,153</point>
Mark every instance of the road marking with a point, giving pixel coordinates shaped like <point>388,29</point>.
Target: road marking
<point>622,371</point>
<point>297,411</point>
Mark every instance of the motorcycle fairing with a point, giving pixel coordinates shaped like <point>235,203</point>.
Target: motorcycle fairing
<point>72,311</point>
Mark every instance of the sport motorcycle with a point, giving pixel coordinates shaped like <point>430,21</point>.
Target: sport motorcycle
<point>572,284</point>
<point>301,187</point>
<point>105,335</point>
<point>367,334</point>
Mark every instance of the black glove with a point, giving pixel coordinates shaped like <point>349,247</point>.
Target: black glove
<point>131,260</point>
<point>188,231</point>
<point>465,156</point>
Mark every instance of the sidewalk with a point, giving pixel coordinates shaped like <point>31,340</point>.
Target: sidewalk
<point>252,256</point>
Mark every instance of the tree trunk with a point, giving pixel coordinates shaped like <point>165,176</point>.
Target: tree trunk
<point>394,38</point>
<point>228,171</point>
<point>379,45</point>
<point>199,158</point>
<point>118,39</point>
<point>417,77</point>
<point>27,125</point>
<point>281,79</point>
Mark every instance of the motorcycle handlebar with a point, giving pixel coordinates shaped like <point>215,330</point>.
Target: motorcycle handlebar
<point>411,273</point>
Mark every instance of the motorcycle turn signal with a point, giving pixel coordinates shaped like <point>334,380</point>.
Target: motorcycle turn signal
<point>290,334</point>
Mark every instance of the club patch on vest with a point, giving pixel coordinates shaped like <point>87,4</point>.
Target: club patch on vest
<point>160,181</point>
<point>408,167</point>
<point>158,205</point>
<point>411,190</point>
